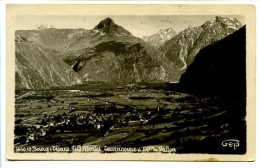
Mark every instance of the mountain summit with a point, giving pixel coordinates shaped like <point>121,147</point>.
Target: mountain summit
<point>108,26</point>
<point>105,24</point>
<point>227,22</point>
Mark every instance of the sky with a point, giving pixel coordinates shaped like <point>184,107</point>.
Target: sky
<point>138,25</point>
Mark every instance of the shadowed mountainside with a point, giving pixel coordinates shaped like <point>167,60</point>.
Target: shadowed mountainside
<point>219,69</point>
<point>183,47</point>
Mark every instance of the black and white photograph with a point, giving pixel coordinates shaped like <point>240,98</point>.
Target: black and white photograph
<point>132,84</point>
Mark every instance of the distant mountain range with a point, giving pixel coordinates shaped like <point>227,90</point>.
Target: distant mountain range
<point>49,57</point>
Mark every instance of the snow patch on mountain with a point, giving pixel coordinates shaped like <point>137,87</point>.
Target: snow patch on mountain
<point>160,37</point>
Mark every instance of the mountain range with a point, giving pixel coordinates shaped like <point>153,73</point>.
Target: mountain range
<point>49,57</point>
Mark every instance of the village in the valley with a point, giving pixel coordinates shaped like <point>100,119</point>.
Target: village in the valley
<point>119,116</point>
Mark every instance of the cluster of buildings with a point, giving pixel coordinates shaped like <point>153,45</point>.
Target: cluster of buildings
<point>78,121</point>
<point>42,118</point>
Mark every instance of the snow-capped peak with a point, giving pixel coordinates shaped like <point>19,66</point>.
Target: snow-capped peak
<point>43,26</point>
<point>160,37</point>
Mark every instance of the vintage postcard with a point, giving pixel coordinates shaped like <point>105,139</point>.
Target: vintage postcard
<point>131,82</point>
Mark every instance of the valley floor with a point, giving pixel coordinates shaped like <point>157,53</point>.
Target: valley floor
<point>136,116</point>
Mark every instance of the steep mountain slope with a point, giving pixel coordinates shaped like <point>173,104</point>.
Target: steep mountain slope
<point>182,48</point>
<point>160,37</point>
<point>122,62</point>
<point>219,69</point>
<point>37,69</point>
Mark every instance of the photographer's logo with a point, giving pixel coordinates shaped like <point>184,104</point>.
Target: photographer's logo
<point>232,143</point>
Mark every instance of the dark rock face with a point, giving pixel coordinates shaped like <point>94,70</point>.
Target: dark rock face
<point>219,69</point>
